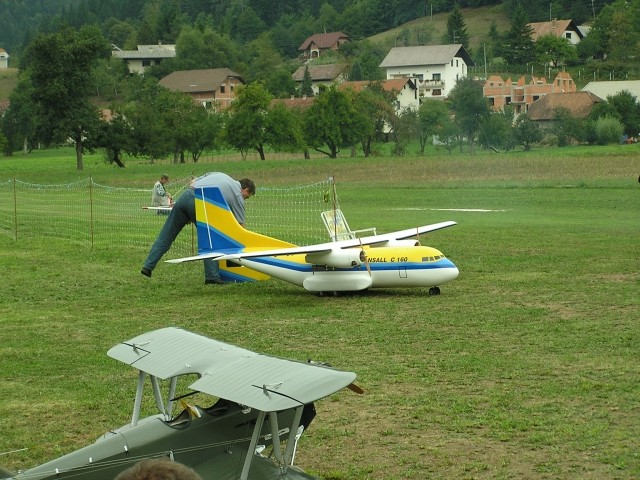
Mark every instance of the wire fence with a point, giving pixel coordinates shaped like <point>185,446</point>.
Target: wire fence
<point>100,216</point>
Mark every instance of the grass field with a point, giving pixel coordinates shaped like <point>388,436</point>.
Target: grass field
<point>527,366</point>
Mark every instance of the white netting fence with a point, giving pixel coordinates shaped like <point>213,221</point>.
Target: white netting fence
<point>100,216</point>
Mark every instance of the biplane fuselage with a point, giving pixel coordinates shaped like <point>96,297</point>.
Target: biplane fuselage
<point>389,260</point>
<point>261,404</point>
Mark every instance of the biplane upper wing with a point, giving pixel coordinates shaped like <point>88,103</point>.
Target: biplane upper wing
<point>372,240</point>
<point>258,381</point>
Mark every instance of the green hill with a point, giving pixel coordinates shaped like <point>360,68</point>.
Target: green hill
<point>478,21</point>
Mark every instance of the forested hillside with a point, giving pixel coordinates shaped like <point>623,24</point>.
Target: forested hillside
<point>127,23</point>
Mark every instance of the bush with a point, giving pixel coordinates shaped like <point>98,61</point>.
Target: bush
<point>608,130</point>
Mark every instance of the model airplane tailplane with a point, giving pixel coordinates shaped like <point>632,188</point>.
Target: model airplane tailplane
<point>395,259</point>
<point>261,406</point>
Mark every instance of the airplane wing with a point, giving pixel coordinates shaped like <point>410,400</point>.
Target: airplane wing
<point>258,381</point>
<point>372,240</point>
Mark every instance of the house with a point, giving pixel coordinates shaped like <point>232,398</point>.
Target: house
<point>523,93</point>
<point>145,56</point>
<point>317,43</point>
<point>326,75</point>
<point>578,104</point>
<point>558,28</point>
<point>214,87</point>
<point>405,90</point>
<point>434,68</point>
<point>294,103</point>
<point>4,58</point>
<point>611,88</point>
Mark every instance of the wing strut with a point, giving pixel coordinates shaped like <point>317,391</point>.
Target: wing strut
<point>252,446</point>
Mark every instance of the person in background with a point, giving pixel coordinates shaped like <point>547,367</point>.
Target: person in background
<point>158,469</point>
<point>160,197</point>
<point>184,212</point>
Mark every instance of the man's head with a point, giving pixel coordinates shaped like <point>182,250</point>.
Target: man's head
<point>164,179</point>
<point>158,469</point>
<point>248,188</point>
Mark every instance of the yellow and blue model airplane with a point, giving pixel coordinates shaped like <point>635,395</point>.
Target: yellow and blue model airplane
<point>389,260</point>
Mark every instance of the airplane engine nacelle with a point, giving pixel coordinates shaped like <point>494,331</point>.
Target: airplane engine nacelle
<point>400,243</point>
<point>337,258</point>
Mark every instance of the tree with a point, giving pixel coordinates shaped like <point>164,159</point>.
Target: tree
<point>456,29</point>
<point>527,132</point>
<point>433,117</point>
<point>329,122</point>
<point>518,44</point>
<point>608,130</point>
<point>470,108</point>
<point>284,129</point>
<point>60,66</point>
<point>628,109</point>
<point>246,127</point>
<point>554,50</point>
<point>496,131</point>
<point>19,121</point>
<point>375,113</point>
<point>306,89</point>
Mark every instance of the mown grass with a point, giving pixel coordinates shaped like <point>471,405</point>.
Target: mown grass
<point>526,366</point>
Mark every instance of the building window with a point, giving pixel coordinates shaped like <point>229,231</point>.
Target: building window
<point>146,63</point>
<point>436,92</point>
<point>492,101</point>
<point>507,101</point>
<point>457,65</point>
<point>222,88</point>
<point>567,35</point>
<point>436,77</point>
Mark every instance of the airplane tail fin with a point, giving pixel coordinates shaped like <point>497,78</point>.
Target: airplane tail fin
<point>219,231</point>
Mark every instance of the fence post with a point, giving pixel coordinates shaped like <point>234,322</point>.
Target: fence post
<point>91,210</point>
<point>15,209</point>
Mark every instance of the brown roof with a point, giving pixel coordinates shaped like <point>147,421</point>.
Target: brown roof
<point>320,73</point>
<point>323,40</point>
<point>194,81</point>
<point>554,27</point>
<point>297,103</point>
<point>579,105</point>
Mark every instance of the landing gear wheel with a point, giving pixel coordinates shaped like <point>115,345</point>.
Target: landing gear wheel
<point>434,291</point>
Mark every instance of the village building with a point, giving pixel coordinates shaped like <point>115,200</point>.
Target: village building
<point>322,75</point>
<point>435,69</point>
<point>211,88</point>
<point>4,58</point>
<point>523,93</point>
<point>558,28</point>
<point>317,43</point>
<point>145,56</point>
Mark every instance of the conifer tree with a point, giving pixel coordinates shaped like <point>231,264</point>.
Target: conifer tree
<point>519,48</point>
<point>456,29</point>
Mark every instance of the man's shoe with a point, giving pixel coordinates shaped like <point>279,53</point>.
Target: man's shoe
<point>214,281</point>
<point>146,272</point>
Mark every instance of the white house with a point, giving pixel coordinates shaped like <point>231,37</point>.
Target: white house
<point>145,56</point>
<point>434,68</point>
<point>4,58</point>
<point>405,90</point>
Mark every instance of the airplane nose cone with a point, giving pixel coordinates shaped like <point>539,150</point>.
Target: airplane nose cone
<point>450,272</point>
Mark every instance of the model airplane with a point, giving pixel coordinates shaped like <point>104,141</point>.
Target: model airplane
<point>250,433</point>
<point>380,261</point>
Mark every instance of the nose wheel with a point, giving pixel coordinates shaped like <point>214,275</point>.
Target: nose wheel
<point>434,291</point>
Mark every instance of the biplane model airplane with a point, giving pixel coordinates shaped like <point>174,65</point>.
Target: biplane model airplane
<point>251,432</point>
<point>379,261</point>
